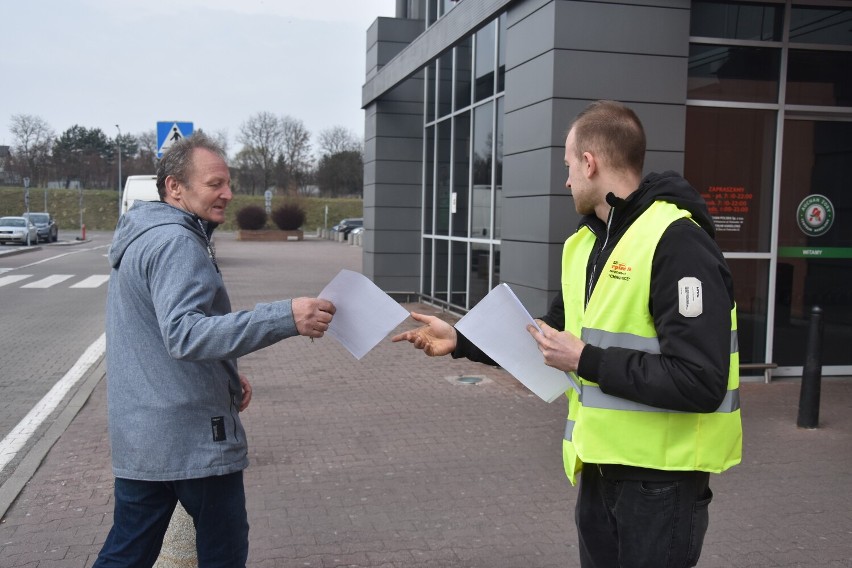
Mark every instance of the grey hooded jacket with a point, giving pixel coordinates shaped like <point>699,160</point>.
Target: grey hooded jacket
<point>172,345</point>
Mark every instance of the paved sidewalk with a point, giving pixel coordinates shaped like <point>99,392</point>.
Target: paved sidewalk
<point>391,462</point>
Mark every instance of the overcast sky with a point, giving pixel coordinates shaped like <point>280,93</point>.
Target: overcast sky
<point>98,63</point>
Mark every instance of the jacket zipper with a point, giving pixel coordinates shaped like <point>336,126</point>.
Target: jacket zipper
<point>597,257</point>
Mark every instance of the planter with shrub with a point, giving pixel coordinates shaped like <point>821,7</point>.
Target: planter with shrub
<point>288,218</point>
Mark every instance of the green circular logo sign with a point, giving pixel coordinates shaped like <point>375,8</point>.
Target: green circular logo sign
<point>816,214</point>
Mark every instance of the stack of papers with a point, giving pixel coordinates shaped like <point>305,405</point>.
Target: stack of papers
<point>364,314</point>
<point>498,326</point>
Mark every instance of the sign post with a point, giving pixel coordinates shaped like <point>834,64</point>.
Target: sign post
<point>27,194</point>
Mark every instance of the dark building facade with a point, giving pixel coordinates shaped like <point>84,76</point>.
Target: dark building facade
<point>467,106</point>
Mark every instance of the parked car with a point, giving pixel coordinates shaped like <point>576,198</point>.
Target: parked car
<point>18,230</point>
<point>346,225</point>
<point>46,225</point>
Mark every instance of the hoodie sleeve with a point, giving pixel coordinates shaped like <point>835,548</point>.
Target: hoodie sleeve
<point>193,310</point>
<point>691,372</point>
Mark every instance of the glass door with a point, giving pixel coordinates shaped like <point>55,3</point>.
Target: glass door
<point>814,244</point>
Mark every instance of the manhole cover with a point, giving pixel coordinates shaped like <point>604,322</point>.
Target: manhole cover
<point>469,380</point>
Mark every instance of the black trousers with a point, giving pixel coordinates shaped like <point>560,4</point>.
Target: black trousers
<point>637,518</point>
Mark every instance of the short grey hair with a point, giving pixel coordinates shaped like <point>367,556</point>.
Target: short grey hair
<point>177,160</point>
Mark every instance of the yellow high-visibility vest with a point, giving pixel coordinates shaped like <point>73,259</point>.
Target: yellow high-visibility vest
<point>607,429</point>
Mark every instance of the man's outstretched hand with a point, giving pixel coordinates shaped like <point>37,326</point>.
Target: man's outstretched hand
<point>436,338</point>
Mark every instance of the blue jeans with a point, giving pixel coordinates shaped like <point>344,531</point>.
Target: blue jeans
<point>629,523</point>
<point>143,510</point>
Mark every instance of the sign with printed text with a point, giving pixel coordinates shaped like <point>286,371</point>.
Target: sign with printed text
<point>170,132</point>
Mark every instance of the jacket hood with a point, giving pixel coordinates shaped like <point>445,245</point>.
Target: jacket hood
<point>144,216</point>
<point>673,188</point>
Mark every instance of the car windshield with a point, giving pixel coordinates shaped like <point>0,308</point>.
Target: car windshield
<point>38,217</point>
<point>12,222</point>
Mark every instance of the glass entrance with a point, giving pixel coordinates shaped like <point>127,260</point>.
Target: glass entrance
<point>815,243</point>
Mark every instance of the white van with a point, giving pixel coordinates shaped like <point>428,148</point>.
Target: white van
<point>142,188</point>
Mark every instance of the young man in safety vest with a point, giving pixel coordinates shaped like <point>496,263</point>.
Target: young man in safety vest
<point>646,323</point>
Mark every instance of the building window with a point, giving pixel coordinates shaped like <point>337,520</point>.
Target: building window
<point>462,177</point>
<point>729,159</point>
<point>733,73</point>
<point>757,152</point>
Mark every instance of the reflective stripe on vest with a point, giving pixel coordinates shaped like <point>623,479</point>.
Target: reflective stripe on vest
<point>602,428</point>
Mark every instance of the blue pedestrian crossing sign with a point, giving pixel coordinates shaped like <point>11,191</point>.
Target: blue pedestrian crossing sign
<point>170,132</point>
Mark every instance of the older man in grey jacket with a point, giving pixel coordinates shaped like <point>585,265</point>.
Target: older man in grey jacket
<point>174,392</point>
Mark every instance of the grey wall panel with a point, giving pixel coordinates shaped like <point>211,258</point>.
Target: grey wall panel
<point>621,76</point>
<point>538,172</point>
<point>393,242</point>
<point>532,36</point>
<point>622,28</point>
<point>393,218</point>
<point>534,265</point>
<point>662,161</point>
<point>394,148</point>
<point>399,125</point>
<point>389,172</point>
<point>397,107</point>
<point>394,195</point>
<point>396,265</point>
<point>529,128</point>
<point>542,219</point>
<point>531,82</point>
<point>519,11</point>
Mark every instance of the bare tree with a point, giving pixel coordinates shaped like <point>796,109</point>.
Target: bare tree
<point>295,159</point>
<point>338,139</point>
<point>262,136</point>
<point>33,139</point>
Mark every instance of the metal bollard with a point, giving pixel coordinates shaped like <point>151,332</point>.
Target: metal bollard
<point>811,374</point>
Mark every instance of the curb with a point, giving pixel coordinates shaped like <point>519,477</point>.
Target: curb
<point>26,469</point>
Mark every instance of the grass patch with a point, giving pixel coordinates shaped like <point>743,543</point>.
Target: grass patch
<point>100,207</point>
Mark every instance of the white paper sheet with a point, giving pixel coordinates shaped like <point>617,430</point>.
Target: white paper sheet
<point>498,326</point>
<point>364,313</point>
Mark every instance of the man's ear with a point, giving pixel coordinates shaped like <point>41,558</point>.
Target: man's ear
<point>172,187</point>
<point>591,164</point>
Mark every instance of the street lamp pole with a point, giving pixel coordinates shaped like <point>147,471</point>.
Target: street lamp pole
<point>118,143</point>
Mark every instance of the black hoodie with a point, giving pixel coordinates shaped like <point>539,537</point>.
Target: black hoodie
<point>691,372</point>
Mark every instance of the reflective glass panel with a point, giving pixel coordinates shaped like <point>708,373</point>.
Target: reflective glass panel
<point>747,74</point>
<point>736,20</point>
<point>426,260</point>
<point>429,182</point>
<point>819,78</point>
<point>464,54</point>
<point>429,103</point>
<point>815,240</point>
<point>501,55</point>
<point>460,199</point>
<point>498,172</point>
<point>821,25</point>
<point>458,292</point>
<point>751,285</point>
<point>495,274</point>
<point>728,158</point>
<point>483,153</point>
<point>479,272</point>
<point>445,84</point>
<point>484,66</point>
<point>442,180</point>
<point>441,247</point>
